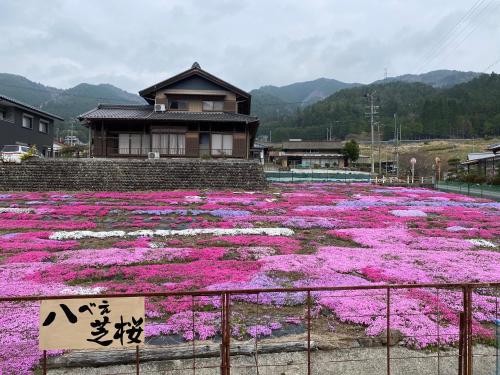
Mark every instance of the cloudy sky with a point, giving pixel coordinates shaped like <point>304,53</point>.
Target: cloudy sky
<point>250,43</point>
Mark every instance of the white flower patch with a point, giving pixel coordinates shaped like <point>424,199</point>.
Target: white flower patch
<point>408,213</point>
<point>16,210</point>
<point>457,228</point>
<point>193,198</point>
<point>82,291</point>
<point>483,243</point>
<point>142,233</point>
<point>79,234</point>
<point>226,232</point>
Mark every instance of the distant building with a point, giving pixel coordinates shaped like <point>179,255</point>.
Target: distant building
<point>484,163</point>
<point>57,148</point>
<point>308,154</point>
<point>192,114</point>
<point>72,140</point>
<point>23,124</point>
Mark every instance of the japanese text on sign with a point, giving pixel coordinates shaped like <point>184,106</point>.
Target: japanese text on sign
<point>91,323</point>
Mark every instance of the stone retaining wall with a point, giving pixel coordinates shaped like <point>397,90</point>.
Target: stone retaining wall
<point>130,175</point>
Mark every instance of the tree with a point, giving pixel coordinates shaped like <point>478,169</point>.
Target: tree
<point>351,150</point>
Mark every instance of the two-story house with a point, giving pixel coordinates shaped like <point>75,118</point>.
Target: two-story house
<point>193,114</point>
<point>22,124</point>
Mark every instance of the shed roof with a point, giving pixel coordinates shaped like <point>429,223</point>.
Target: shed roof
<point>494,147</point>
<point>479,155</point>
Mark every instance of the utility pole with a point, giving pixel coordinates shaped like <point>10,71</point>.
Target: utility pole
<point>396,144</point>
<point>372,113</point>
<point>379,149</point>
<point>270,136</point>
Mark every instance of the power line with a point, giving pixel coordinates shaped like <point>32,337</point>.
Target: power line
<point>445,36</point>
<point>457,45</point>
<point>461,26</point>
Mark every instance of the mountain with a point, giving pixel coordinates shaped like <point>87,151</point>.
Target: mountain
<point>66,103</point>
<point>24,90</point>
<point>304,92</point>
<point>437,78</point>
<point>272,102</point>
<point>84,97</point>
<point>467,109</point>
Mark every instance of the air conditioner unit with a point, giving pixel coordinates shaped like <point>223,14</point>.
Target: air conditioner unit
<point>153,155</point>
<point>159,107</point>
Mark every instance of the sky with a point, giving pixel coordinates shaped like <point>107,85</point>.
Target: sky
<point>249,43</point>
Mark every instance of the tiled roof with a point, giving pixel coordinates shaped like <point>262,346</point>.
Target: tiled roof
<point>146,112</point>
<point>312,145</point>
<point>29,107</point>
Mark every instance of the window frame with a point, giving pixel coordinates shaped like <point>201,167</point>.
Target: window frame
<point>222,152</point>
<point>31,118</point>
<point>212,107</point>
<point>166,146</point>
<point>40,122</point>
<point>171,101</point>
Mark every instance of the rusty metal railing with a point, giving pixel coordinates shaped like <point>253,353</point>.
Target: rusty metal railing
<point>450,353</point>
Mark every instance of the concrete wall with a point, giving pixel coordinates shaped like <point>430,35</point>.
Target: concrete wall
<point>130,175</point>
<point>13,132</point>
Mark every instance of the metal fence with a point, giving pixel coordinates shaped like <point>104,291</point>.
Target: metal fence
<point>317,342</point>
<point>476,190</point>
<point>316,176</point>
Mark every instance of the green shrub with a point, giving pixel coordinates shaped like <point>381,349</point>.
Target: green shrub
<point>32,152</point>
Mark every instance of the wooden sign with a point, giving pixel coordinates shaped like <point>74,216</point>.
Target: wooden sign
<point>91,323</point>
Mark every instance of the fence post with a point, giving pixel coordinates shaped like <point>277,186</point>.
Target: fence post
<point>465,338</point>
<point>308,332</point>
<point>226,335</point>
<point>44,363</point>
<point>388,330</point>
<point>137,361</point>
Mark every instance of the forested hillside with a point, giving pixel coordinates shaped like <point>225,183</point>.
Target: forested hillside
<point>428,105</point>
<point>470,109</point>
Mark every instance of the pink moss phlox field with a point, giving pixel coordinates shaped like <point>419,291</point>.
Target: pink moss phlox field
<point>326,235</point>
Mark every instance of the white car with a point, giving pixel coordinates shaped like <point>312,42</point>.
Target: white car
<point>13,153</point>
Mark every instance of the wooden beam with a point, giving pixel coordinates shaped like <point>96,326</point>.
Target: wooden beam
<point>168,353</point>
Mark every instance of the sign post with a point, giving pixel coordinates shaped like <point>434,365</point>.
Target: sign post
<point>413,161</point>
<point>91,323</point>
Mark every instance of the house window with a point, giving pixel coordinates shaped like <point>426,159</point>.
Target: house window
<point>169,143</point>
<point>27,122</point>
<point>213,106</point>
<point>2,115</point>
<point>133,144</point>
<point>43,126</point>
<point>222,144</point>
<point>178,105</point>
